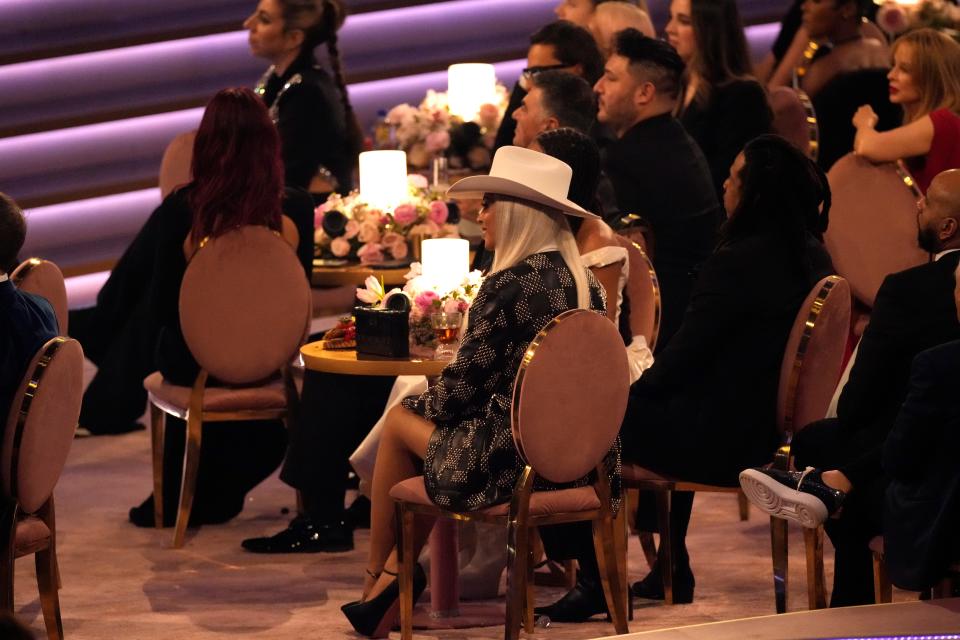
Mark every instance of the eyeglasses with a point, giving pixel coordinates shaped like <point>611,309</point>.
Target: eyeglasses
<point>527,74</point>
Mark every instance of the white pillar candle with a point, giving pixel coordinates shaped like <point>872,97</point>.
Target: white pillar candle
<point>383,178</point>
<point>469,86</point>
<point>445,261</point>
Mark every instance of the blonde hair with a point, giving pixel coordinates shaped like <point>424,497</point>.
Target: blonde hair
<point>935,70</point>
<point>524,229</point>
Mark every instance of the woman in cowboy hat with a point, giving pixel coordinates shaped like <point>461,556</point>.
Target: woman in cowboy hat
<point>536,275</point>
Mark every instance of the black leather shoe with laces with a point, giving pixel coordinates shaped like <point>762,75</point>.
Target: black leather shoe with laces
<point>800,496</point>
<point>579,604</point>
<point>304,536</point>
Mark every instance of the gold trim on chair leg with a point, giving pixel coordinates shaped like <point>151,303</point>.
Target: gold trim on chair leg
<point>621,534</point>
<point>816,583</point>
<point>157,423</point>
<point>46,562</point>
<point>665,555</point>
<point>528,597</point>
<point>603,544</point>
<point>778,552</point>
<point>405,561</point>
<point>191,459</point>
<point>517,554</point>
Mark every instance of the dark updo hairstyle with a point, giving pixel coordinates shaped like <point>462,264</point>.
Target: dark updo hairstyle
<point>238,173</point>
<point>578,150</point>
<point>320,20</point>
<point>782,192</point>
<point>722,54</point>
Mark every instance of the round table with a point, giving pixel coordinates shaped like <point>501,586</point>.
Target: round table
<point>356,274</point>
<point>445,612</point>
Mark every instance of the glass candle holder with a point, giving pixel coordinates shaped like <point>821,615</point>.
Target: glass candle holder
<point>446,326</point>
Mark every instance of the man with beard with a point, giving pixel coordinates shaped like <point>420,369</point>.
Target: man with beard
<point>914,311</point>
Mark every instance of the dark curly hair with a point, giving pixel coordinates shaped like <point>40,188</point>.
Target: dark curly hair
<point>578,150</point>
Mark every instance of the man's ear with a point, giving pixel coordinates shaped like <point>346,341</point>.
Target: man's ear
<point>644,94</point>
<point>551,123</point>
<point>949,228</point>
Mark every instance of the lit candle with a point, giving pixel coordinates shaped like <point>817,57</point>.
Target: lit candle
<point>383,178</point>
<point>445,261</point>
<point>469,86</point>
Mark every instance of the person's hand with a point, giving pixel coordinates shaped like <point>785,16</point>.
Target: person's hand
<point>865,117</point>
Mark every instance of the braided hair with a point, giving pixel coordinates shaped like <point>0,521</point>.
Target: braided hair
<point>320,20</point>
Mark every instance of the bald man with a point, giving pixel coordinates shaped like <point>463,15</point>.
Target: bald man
<point>915,310</point>
<point>609,18</point>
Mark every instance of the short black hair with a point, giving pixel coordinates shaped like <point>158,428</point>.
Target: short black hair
<point>13,231</point>
<point>865,8</point>
<point>580,152</point>
<point>568,98</point>
<point>573,45</point>
<point>656,60</point>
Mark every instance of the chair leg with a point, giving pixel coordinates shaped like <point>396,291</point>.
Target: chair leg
<point>665,556</point>
<point>405,560</point>
<point>779,548</point>
<point>157,423</point>
<point>621,535</point>
<point>649,547</point>
<point>191,468</point>
<point>613,583</point>
<point>882,589</point>
<point>528,594</point>
<point>744,505</point>
<point>46,564</point>
<point>8,527</point>
<point>517,559</point>
<point>816,583</point>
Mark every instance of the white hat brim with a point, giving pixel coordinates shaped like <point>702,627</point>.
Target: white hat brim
<point>476,186</point>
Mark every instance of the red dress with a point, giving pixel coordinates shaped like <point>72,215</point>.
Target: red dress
<point>944,149</point>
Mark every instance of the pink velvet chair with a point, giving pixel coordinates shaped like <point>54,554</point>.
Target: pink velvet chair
<point>571,387</point>
<point>873,224</point>
<point>175,167</point>
<point>39,432</point>
<point>808,376</point>
<point>244,309</point>
<point>43,278</point>
<point>635,228</point>
<point>795,119</point>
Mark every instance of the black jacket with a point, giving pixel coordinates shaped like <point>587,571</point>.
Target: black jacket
<point>658,172</point>
<point>922,509</point>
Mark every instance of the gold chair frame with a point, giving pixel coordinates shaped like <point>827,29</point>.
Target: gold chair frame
<point>609,538</point>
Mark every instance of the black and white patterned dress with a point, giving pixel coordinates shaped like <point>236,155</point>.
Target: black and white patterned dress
<point>471,461</point>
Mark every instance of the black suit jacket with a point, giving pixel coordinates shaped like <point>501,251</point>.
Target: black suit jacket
<point>26,323</point>
<point>658,172</point>
<point>914,310</point>
<point>922,510</point>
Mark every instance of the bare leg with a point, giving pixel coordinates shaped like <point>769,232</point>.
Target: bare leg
<point>403,445</point>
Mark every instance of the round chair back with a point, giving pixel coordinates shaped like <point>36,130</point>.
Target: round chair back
<point>795,119</point>
<point>42,421</point>
<point>43,278</point>
<point>244,303</point>
<point>873,224</point>
<point>175,167</point>
<point>643,290</point>
<point>570,395</point>
<point>814,355</point>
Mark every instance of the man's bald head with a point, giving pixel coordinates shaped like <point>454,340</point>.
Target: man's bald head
<point>939,217</point>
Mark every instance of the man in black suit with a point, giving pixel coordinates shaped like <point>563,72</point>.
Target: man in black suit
<point>914,311</point>
<point>657,170</point>
<point>26,321</point>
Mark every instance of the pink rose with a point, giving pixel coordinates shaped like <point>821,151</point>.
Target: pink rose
<point>369,232</point>
<point>370,253</point>
<point>417,181</point>
<point>391,238</point>
<point>425,300</point>
<point>340,247</point>
<point>352,229</point>
<point>405,214</point>
<point>437,141</point>
<point>439,211</point>
<point>451,305</point>
<point>399,250</point>
<point>892,18</point>
<point>489,115</point>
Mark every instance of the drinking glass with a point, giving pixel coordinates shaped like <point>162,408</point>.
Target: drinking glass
<point>446,326</point>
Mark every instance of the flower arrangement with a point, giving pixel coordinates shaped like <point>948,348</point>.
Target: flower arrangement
<point>430,130</point>
<point>899,16</point>
<point>348,227</point>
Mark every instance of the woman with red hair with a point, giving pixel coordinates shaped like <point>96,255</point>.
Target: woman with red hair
<point>238,181</point>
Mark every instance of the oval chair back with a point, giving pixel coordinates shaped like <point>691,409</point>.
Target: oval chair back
<point>570,395</point>
<point>814,355</point>
<point>244,303</point>
<point>873,224</point>
<point>175,167</point>
<point>643,290</point>
<point>43,418</point>
<point>795,119</point>
<point>43,278</point>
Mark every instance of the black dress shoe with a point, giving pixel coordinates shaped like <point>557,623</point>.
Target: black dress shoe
<point>651,587</point>
<point>800,496</point>
<point>375,618</point>
<point>579,604</point>
<point>304,536</point>
<point>142,515</point>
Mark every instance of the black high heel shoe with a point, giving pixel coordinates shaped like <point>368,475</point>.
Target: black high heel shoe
<point>651,587</point>
<point>375,617</point>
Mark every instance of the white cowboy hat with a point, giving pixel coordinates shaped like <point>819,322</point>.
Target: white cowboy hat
<point>527,175</point>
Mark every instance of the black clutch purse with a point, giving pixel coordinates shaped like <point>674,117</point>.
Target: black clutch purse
<point>384,332</point>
